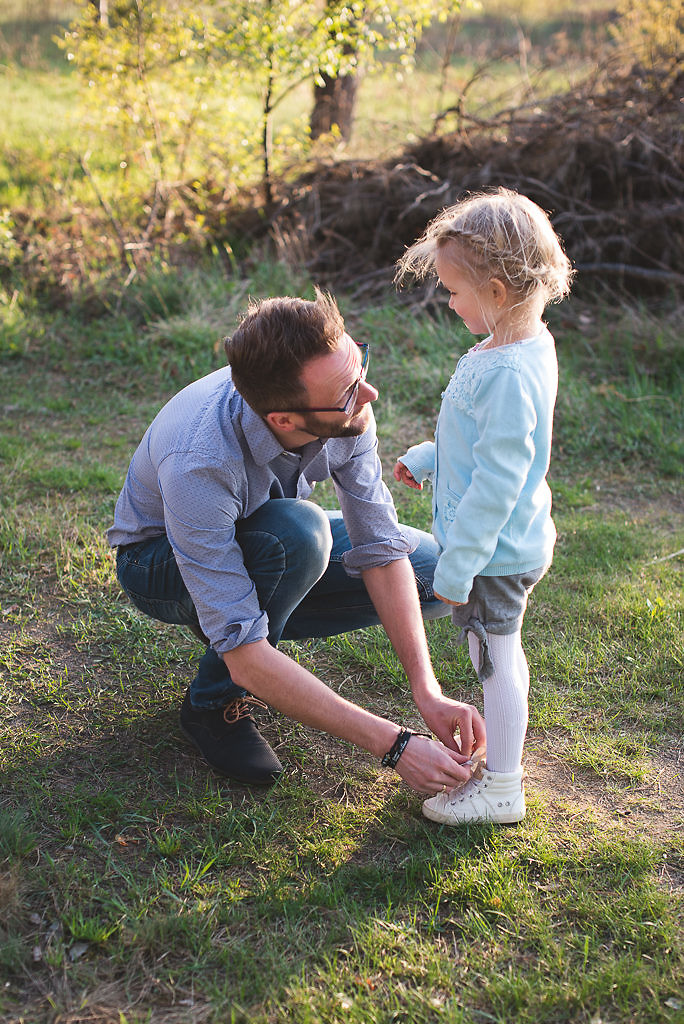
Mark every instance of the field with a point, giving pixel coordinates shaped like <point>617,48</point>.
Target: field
<point>137,887</point>
<point>498,62</point>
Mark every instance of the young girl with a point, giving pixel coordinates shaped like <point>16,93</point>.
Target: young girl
<point>501,262</point>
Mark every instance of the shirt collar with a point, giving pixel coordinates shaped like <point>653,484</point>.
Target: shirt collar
<point>263,445</point>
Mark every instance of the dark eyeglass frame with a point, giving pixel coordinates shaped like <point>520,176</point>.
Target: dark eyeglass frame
<point>351,401</point>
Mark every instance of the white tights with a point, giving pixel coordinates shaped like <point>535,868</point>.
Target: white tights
<point>505,699</point>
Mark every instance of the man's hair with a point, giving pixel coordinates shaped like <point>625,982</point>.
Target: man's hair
<point>499,234</point>
<point>272,344</point>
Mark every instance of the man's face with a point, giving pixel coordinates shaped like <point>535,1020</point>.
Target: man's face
<point>330,381</point>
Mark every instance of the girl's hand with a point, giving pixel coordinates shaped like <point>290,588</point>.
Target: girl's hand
<point>446,600</point>
<point>405,476</point>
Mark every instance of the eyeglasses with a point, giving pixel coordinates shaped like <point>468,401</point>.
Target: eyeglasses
<point>353,391</point>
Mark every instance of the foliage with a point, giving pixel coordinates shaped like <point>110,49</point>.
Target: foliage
<point>79,215</point>
<point>147,71</point>
<point>651,30</point>
<point>188,90</point>
<point>153,87</point>
<point>10,251</point>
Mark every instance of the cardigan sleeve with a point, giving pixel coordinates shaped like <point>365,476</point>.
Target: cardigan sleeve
<point>420,461</point>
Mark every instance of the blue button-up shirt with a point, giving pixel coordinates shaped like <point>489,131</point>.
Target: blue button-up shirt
<point>206,462</point>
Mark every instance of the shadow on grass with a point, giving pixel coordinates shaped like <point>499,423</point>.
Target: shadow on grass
<point>125,847</point>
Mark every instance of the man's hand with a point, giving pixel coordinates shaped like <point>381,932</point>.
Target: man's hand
<point>426,764</point>
<point>405,476</point>
<point>428,767</point>
<point>447,717</point>
<point>393,590</point>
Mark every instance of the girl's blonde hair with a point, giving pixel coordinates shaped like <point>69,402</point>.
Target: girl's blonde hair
<point>498,234</point>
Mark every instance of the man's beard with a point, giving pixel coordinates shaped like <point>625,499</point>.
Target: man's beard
<point>358,424</point>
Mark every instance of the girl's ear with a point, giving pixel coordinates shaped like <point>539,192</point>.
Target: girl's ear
<point>498,291</point>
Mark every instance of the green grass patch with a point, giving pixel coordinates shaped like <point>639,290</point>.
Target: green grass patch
<point>135,884</point>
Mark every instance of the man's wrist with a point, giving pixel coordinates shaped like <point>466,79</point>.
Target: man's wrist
<point>391,758</point>
<point>385,732</point>
<point>425,690</point>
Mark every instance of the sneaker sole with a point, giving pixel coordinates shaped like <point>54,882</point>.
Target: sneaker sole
<point>453,819</point>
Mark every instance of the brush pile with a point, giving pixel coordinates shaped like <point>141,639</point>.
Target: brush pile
<point>606,161</point>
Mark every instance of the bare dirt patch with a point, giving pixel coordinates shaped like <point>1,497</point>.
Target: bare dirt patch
<point>653,808</point>
<point>640,501</point>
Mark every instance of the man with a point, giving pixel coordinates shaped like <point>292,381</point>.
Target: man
<point>214,531</point>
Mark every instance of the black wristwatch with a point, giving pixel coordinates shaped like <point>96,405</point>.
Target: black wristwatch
<point>399,746</point>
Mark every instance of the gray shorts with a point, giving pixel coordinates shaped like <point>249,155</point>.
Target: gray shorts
<point>496,604</point>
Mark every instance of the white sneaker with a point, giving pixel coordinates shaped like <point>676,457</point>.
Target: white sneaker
<point>498,797</point>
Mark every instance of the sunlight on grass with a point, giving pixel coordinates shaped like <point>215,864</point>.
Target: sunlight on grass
<point>136,886</point>
<point>369,912</point>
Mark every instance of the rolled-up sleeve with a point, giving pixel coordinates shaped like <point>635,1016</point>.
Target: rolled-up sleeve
<point>368,509</point>
<point>201,506</point>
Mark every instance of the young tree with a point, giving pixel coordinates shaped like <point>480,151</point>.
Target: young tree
<point>358,33</point>
<point>277,45</point>
<point>292,41</point>
<point>186,89</point>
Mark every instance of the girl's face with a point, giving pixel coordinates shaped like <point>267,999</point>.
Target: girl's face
<point>475,304</point>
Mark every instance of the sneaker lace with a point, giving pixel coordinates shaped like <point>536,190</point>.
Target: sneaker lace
<point>461,793</point>
<point>241,708</point>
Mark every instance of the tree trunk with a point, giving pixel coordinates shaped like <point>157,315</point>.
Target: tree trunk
<point>102,7</point>
<point>334,105</point>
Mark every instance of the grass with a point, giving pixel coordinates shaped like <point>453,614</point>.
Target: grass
<point>136,887</point>
<point>51,119</point>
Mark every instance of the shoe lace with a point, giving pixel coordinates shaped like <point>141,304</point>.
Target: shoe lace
<point>241,708</point>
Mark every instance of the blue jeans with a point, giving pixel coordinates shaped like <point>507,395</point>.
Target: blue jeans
<point>292,550</point>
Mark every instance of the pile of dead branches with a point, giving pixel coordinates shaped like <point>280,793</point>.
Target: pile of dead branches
<point>605,161</point>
